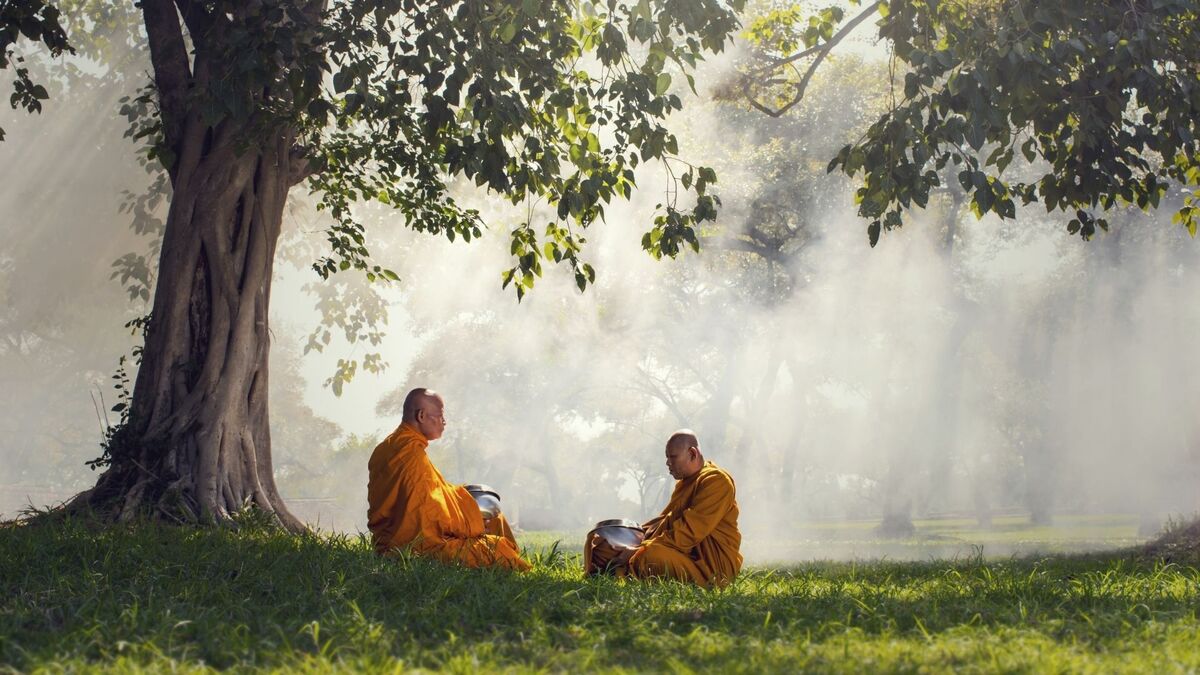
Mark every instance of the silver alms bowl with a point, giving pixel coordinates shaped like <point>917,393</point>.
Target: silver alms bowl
<point>487,499</point>
<point>619,532</point>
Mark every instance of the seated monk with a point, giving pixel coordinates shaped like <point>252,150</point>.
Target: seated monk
<point>409,504</point>
<point>695,538</point>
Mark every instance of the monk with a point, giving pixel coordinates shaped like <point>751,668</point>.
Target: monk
<point>410,505</point>
<point>696,537</point>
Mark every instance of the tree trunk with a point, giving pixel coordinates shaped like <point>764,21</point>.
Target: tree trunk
<point>715,418</point>
<point>897,504</point>
<point>197,445</point>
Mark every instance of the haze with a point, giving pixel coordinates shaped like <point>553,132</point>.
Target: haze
<point>962,368</point>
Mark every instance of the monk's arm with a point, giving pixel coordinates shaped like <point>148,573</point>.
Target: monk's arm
<point>383,493</point>
<point>651,526</point>
<point>712,501</point>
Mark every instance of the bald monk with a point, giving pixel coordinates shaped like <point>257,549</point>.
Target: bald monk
<point>696,537</point>
<point>409,504</point>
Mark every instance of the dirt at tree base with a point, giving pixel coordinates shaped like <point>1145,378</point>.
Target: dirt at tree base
<point>80,513</point>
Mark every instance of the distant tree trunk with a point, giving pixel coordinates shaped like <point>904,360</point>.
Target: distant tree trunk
<point>897,521</point>
<point>1040,479</point>
<point>1195,473</point>
<point>1038,494</point>
<point>791,450</point>
<point>198,442</point>
<point>715,414</point>
<point>897,505</point>
<point>753,450</point>
<point>983,505</point>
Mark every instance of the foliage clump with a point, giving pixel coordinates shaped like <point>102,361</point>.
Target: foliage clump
<point>1100,100</point>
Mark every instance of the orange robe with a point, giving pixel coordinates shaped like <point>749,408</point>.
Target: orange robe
<point>410,504</point>
<point>695,538</point>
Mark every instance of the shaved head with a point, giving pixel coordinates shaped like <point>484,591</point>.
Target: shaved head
<point>424,410</point>
<point>683,454</point>
<point>416,400</point>
<point>683,439</point>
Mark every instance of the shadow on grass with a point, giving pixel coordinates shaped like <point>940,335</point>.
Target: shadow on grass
<point>75,594</point>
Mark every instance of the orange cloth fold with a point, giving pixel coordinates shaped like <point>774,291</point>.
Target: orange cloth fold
<point>598,556</point>
<point>695,539</point>
<point>410,504</point>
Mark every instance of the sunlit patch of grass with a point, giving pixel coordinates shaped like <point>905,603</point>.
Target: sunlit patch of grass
<point>75,596</point>
<point>934,538</point>
<point>946,538</point>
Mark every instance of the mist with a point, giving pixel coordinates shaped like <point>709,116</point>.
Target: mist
<point>963,368</point>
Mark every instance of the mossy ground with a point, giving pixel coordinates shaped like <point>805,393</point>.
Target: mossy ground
<point>78,596</point>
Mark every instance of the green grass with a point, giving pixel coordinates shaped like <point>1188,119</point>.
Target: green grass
<point>946,538</point>
<point>951,538</point>
<point>79,597</point>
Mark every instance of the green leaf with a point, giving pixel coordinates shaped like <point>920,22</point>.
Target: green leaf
<point>508,31</point>
<point>1029,149</point>
<point>662,84</point>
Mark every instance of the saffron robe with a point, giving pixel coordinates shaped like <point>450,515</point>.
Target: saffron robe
<point>410,505</point>
<point>695,539</point>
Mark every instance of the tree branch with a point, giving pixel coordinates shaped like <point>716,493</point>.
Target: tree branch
<point>172,69</point>
<point>732,244</point>
<point>662,394</point>
<point>821,51</point>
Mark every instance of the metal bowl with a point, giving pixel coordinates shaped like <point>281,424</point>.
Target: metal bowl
<point>620,532</point>
<point>487,499</point>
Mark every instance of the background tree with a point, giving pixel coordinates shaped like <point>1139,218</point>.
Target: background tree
<point>1102,97</point>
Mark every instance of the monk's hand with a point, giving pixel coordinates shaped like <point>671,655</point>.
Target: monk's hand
<point>624,553</point>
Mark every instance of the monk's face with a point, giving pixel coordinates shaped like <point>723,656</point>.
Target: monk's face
<point>683,460</point>
<point>431,418</point>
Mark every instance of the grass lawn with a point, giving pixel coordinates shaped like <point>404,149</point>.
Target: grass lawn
<point>947,538</point>
<point>79,597</point>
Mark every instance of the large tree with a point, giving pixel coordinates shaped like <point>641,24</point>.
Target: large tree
<point>539,100</point>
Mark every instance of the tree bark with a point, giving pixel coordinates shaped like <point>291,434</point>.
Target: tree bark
<point>197,446</point>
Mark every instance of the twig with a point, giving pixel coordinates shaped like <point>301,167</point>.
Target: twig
<point>99,420</point>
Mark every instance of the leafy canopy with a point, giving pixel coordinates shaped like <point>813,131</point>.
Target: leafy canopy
<point>536,99</point>
<point>1102,100</point>
<point>554,101</point>
<point>34,20</point>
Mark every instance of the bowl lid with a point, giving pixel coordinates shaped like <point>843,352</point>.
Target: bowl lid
<point>620,522</point>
